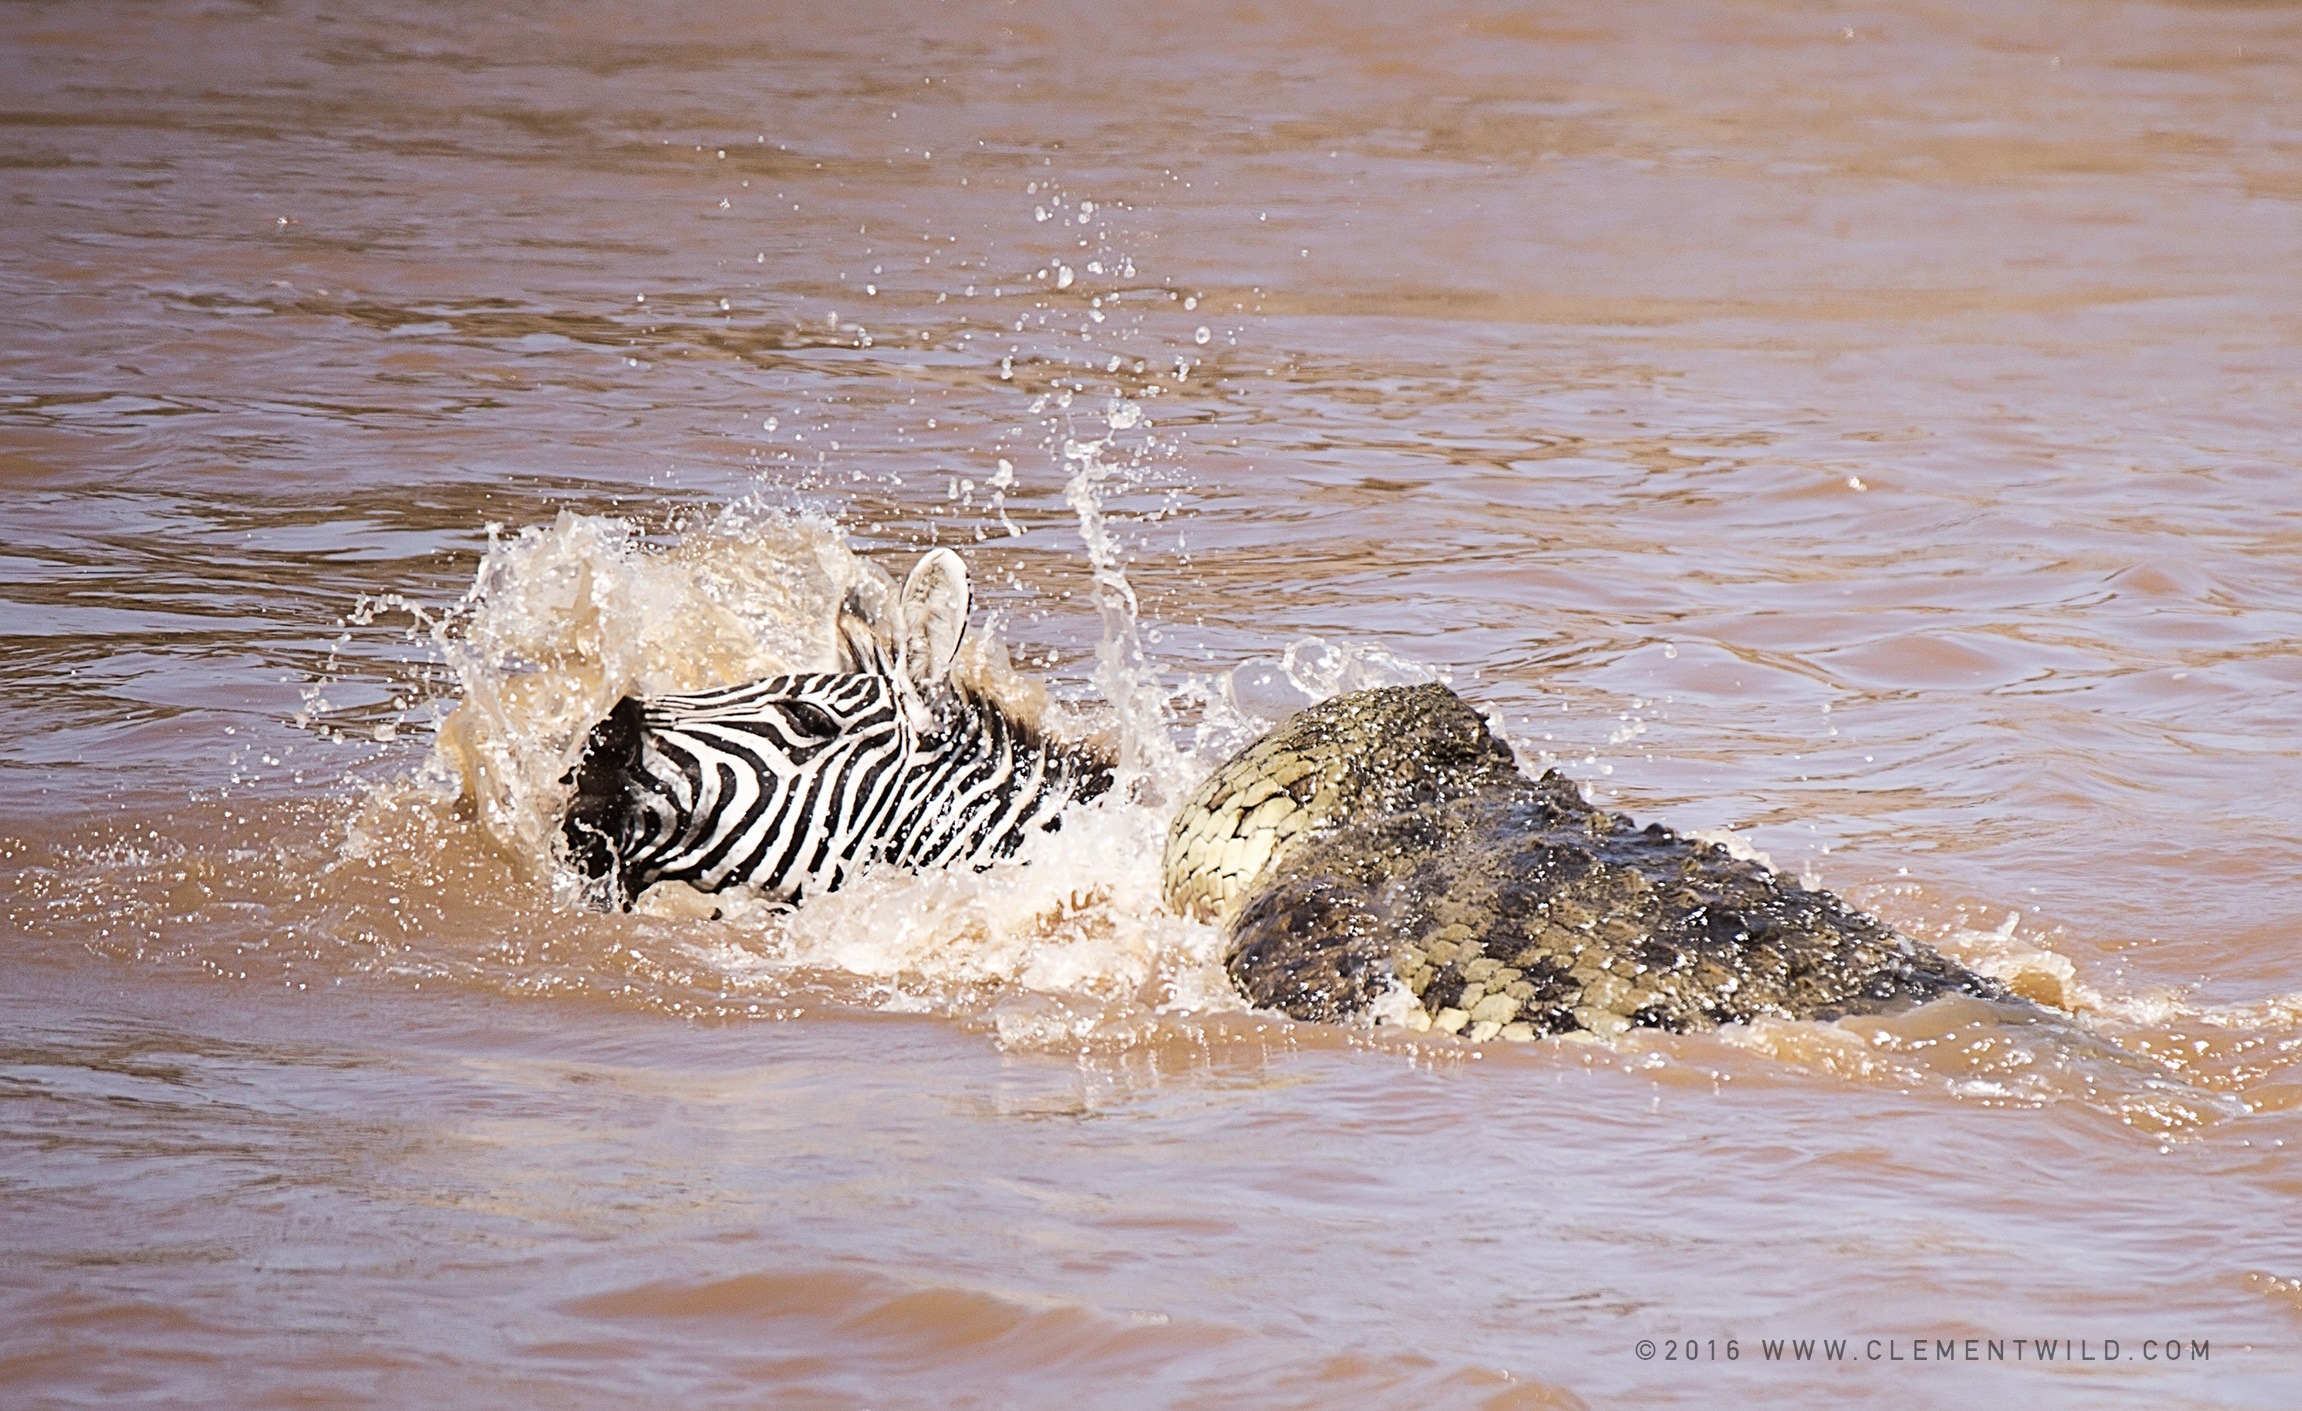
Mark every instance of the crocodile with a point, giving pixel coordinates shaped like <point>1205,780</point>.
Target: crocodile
<point>1384,852</point>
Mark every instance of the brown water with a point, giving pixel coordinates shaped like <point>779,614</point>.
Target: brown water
<point>1868,429</point>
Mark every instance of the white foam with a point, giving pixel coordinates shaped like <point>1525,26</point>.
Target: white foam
<point>1736,846</point>
<point>1076,912</point>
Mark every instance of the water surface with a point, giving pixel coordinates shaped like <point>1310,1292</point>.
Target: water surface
<point>1869,430</point>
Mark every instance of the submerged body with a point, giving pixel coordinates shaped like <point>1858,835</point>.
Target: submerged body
<point>1386,839</point>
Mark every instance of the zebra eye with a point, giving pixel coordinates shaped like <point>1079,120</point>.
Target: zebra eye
<point>809,720</point>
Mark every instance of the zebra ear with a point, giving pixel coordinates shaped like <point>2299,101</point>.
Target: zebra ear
<point>935,604</point>
<point>865,642</point>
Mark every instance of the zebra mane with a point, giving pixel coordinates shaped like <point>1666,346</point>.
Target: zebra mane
<point>972,704</point>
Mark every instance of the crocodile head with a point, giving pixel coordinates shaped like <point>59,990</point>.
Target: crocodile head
<point>1351,759</point>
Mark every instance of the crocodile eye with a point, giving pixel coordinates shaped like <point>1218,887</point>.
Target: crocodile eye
<point>809,719</point>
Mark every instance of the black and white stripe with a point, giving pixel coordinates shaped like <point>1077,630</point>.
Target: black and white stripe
<point>786,786</point>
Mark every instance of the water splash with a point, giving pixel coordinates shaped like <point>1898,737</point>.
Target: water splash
<point>1123,674</point>
<point>563,620</point>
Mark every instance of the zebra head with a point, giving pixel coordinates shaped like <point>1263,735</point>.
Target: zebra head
<point>784,787</point>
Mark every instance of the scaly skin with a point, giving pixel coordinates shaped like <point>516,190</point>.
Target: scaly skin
<point>1387,835</point>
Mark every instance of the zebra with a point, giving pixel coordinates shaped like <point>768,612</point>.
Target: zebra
<point>786,787</point>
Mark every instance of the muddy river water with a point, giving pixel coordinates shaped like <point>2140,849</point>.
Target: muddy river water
<point>1868,429</point>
